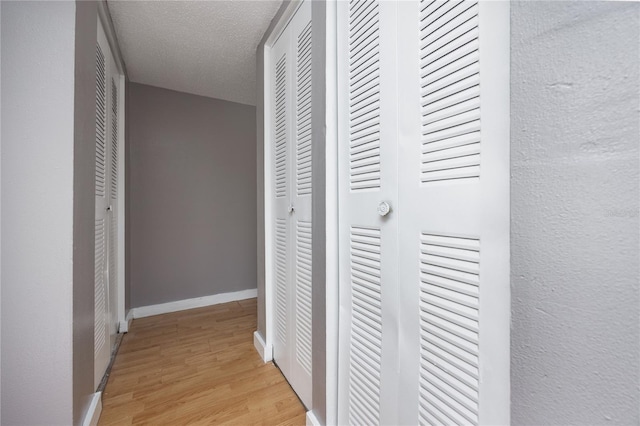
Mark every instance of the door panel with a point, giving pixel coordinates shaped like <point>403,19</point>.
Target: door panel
<point>367,176</point>
<point>101,322</point>
<point>291,56</point>
<point>301,45</point>
<point>106,205</point>
<point>423,115</point>
<point>281,137</point>
<point>454,191</point>
<point>113,209</point>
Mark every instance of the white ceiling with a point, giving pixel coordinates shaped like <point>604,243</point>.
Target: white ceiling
<point>203,47</point>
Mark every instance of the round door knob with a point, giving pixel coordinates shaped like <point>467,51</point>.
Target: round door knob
<point>384,208</point>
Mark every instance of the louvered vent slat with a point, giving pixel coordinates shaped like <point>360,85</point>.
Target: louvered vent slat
<point>113,250</point>
<point>100,296</point>
<point>450,91</point>
<point>303,112</point>
<point>114,141</point>
<point>101,123</point>
<point>449,323</point>
<point>303,294</point>
<point>366,327</point>
<point>281,128</point>
<point>281,279</point>
<point>364,95</point>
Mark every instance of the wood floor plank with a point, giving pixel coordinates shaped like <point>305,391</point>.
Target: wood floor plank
<point>197,367</point>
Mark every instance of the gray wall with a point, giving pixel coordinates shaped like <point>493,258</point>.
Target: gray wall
<point>575,189</point>
<point>192,195</point>
<point>47,161</point>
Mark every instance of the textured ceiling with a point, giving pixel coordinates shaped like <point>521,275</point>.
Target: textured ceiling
<point>203,47</point>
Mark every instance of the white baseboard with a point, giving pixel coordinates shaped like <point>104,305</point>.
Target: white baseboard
<point>266,353</point>
<point>198,302</point>
<point>126,324</point>
<point>312,420</point>
<point>94,411</point>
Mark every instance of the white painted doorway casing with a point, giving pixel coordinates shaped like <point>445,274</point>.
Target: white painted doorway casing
<point>288,174</point>
<point>423,122</point>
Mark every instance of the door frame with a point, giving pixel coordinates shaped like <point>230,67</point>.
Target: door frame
<point>104,18</point>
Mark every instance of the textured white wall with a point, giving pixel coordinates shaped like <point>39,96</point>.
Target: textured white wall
<point>37,211</point>
<point>575,190</point>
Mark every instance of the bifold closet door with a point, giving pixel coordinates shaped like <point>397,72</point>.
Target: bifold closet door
<point>113,204</point>
<point>106,204</point>
<point>101,321</point>
<point>367,179</point>
<point>424,302</point>
<point>453,109</point>
<point>290,59</point>
<point>301,187</point>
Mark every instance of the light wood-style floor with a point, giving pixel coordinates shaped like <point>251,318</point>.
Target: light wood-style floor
<point>197,367</point>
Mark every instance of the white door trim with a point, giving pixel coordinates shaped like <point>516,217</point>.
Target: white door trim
<point>121,314</point>
<point>269,286</point>
<point>332,290</point>
<point>105,19</point>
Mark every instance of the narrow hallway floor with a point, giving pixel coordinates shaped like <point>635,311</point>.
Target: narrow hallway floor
<point>197,367</point>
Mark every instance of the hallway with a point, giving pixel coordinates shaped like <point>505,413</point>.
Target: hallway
<point>197,367</point>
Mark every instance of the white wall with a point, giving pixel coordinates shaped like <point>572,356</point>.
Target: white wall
<point>37,211</point>
<point>575,224</point>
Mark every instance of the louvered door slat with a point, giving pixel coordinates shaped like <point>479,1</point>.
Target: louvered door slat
<point>101,123</point>
<point>364,96</point>
<point>281,129</point>
<point>366,328</point>
<point>449,396</point>
<point>281,279</point>
<point>100,298</point>
<point>303,294</point>
<point>450,77</point>
<point>303,112</point>
<point>114,141</point>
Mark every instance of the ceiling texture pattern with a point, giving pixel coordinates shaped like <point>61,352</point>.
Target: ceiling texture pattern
<point>206,48</point>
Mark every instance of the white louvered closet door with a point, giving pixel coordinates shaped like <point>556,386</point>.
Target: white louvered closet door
<point>291,136</point>
<point>281,135</point>
<point>367,155</point>
<point>114,174</point>
<point>106,204</point>
<point>300,27</point>
<point>443,358</point>
<point>101,328</point>
<point>454,195</point>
